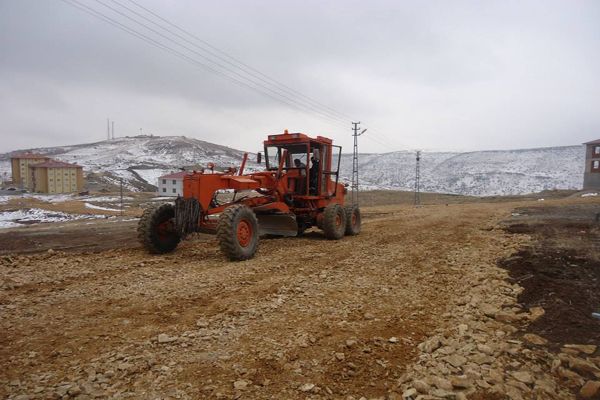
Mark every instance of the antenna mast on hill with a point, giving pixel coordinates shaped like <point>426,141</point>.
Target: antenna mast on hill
<point>418,180</point>
<point>113,130</point>
<point>355,128</point>
<point>108,128</point>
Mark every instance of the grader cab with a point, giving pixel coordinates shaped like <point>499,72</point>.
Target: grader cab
<point>298,189</point>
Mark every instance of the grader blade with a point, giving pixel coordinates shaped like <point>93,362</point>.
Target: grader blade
<point>277,224</point>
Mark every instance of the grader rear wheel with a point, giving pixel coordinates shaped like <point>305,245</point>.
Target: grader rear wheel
<point>237,232</point>
<point>334,222</point>
<point>156,229</point>
<point>353,222</point>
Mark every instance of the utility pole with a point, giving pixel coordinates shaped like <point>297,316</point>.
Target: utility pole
<point>121,196</point>
<point>355,129</point>
<point>418,180</point>
<point>113,130</point>
<point>108,128</point>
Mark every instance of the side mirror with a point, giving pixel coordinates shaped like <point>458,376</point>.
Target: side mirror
<point>259,157</point>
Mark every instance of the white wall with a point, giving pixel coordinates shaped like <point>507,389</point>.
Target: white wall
<point>166,187</point>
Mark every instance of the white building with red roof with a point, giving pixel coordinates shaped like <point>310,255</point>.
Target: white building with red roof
<point>171,184</point>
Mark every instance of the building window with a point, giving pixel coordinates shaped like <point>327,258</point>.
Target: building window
<point>596,165</point>
<point>164,190</point>
<point>174,182</point>
<point>596,149</point>
<point>164,181</point>
<point>174,190</point>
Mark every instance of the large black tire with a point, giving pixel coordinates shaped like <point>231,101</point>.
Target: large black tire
<point>156,229</point>
<point>353,222</point>
<point>334,222</point>
<point>237,232</point>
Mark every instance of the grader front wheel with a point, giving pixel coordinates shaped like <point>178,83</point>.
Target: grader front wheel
<point>237,232</point>
<point>156,229</point>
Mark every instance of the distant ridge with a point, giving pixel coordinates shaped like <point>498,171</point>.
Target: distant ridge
<point>139,160</point>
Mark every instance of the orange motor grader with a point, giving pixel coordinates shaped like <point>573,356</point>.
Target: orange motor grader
<point>298,189</point>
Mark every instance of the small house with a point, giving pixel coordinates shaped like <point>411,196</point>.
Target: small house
<point>171,184</point>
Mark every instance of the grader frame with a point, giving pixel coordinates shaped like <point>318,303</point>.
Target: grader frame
<point>285,199</point>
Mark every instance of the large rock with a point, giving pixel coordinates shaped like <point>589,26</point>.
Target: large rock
<point>488,310</point>
<point>545,385</point>
<point>440,383</point>
<point>421,386</point>
<point>588,349</point>
<point>461,382</point>
<point>535,313</point>
<point>456,360</point>
<point>582,366</point>
<point>240,385</point>
<point>507,317</point>
<point>409,394</point>
<point>164,338</point>
<point>523,376</point>
<point>572,377</point>
<point>429,346</point>
<point>590,390</point>
<point>307,387</point>
<point>486,349</point>
<point>535,339</point>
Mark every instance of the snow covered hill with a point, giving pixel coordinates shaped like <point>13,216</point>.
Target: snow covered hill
<point>140,160</point>
<point>480,173</point>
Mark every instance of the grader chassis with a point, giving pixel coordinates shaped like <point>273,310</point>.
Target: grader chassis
<point>298,189</point>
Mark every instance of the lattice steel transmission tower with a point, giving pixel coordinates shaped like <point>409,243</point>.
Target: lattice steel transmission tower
<point>354,187</point>
<point>418,180</point>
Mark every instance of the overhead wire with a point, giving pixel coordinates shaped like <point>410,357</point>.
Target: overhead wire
<point>129,30</point>
<point>240,63</point>
<point>223,67</point>
<point>243,66</point>
<point>243,74</point>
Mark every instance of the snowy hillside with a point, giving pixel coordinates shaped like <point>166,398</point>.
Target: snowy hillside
<point>481,173</point>
<point>140,160</point>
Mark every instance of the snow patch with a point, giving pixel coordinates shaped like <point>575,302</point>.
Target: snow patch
<point>6,199</point>
<point>108,199</point>
<point>151,175</point>
<point>9,219</point>
<point>50,198</point>
<point>161,198</point>
<point>589,195</point>
<point>94,207</point>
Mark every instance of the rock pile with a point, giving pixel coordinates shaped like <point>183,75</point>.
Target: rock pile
<point>484,351</point>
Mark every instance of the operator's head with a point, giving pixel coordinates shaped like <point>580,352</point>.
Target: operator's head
<point>297,162</point>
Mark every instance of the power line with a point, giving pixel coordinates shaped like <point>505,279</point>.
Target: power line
<point>244,68</point>
<point>237,61</point>
<point>221,66</point>
<point>418,179</point>
<point>355,129</point>
<point>269,87</point>
<point>162,46</point>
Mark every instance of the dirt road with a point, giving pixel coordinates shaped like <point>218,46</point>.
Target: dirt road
<point>305,318</point>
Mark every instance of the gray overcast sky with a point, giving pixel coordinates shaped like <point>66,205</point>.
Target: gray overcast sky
<point>444,75</point>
